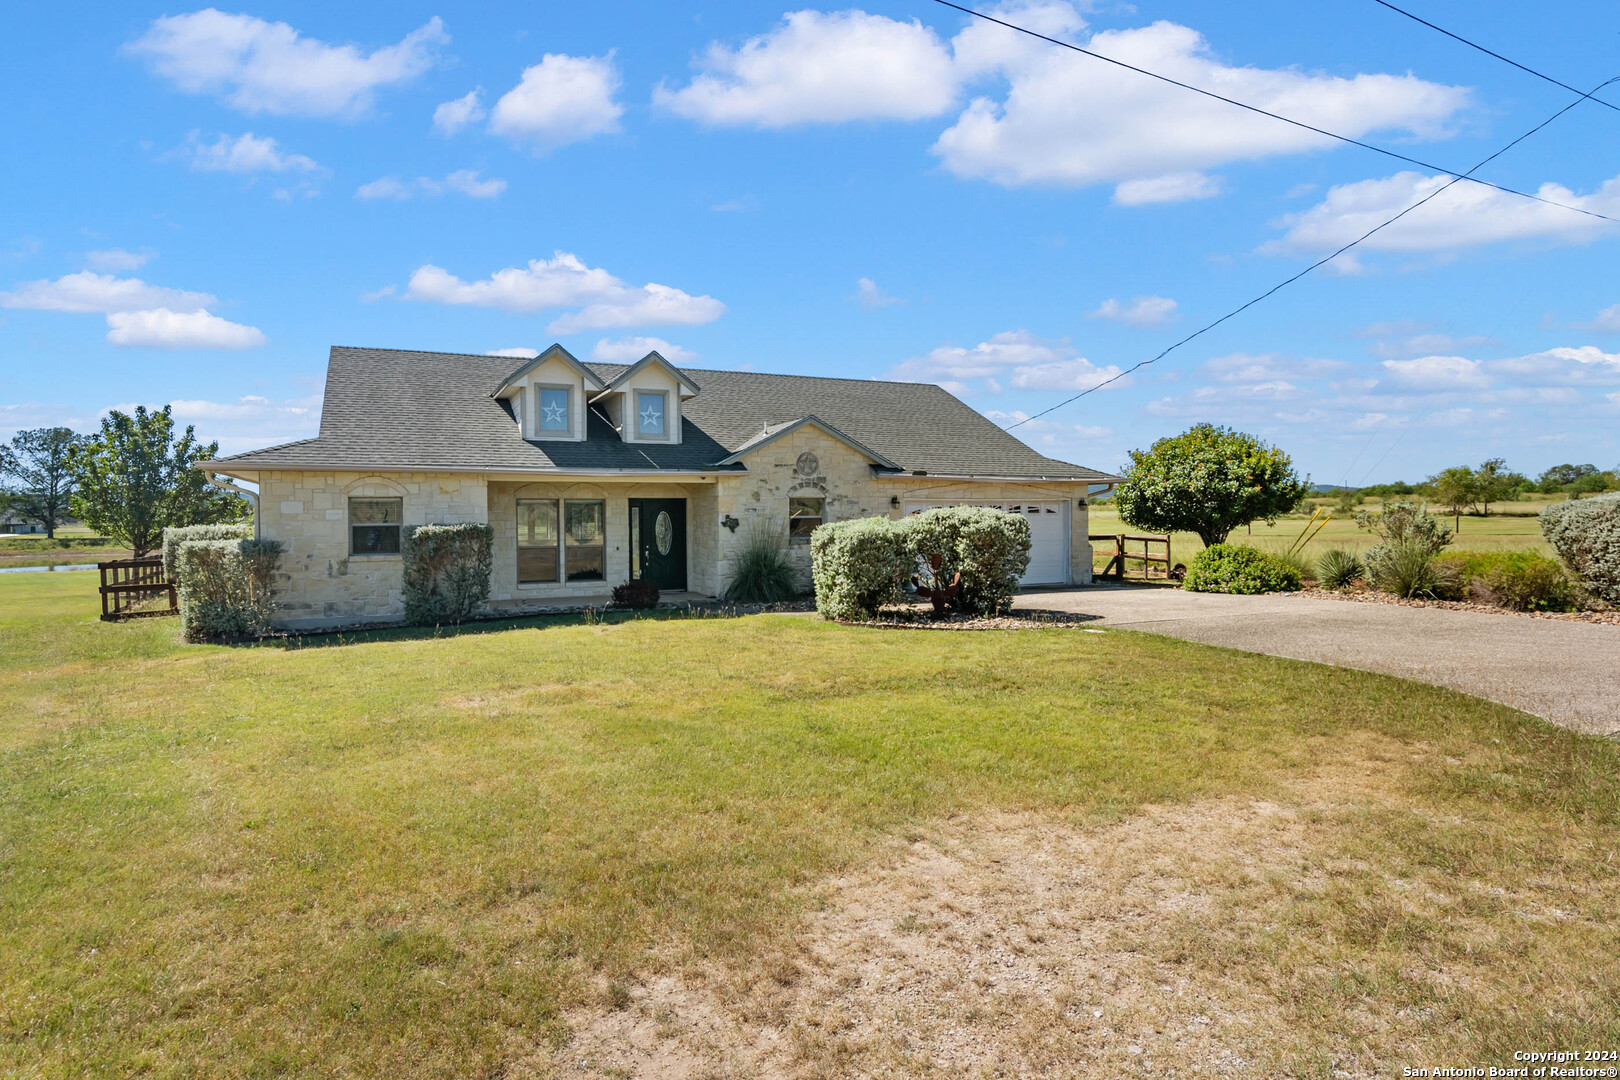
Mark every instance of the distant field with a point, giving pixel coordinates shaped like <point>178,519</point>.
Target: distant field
<point>76,546</point>
<point>1518,529</point>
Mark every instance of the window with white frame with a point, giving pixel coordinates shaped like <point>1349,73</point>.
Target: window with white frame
<point>804,514</point>
<point>374,526</point>
<point>651,421</point>
<point>553,411</point>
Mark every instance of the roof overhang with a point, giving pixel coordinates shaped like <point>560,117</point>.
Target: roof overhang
<point>593,381</point>
<point>771,434</point>
<point>652,359</point>
<point>251,472</point>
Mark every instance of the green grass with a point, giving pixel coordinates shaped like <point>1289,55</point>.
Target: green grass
<point>29,550</point>
<point>407,854</point>
<point>1515,530</point>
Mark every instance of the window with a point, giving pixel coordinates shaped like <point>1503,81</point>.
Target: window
<point>374,526</point>
<point>650,415</point>
<point>537,541</point>
<point>804,514</point>
<point>554,416</point>
<point>583,540</point>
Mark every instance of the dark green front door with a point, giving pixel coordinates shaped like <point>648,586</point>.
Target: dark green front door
<point>658,542</point>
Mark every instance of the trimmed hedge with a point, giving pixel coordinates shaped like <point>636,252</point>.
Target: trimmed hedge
<point>446,571</point>
<point>1234,568</point>
<point>1586,535</point>
<point>174,536</point>
<point>225,587</point>
<point>858,566</point>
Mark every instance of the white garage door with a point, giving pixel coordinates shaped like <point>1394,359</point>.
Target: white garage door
<point>1048,536</point>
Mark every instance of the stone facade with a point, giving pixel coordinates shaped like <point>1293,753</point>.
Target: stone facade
<point>322,583</point>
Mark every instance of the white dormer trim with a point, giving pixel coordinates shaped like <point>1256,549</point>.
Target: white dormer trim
<point>554,369</point>
<point>592,380</point>
<point>621,400</point>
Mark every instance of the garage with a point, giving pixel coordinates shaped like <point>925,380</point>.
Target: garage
<point>1048,536</point>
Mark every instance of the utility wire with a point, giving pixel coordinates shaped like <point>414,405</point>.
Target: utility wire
<point>1277,116</point>
<point>1320,262</point>
<point>1499,56</point>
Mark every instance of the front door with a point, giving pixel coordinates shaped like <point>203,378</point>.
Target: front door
<point>658,542</point>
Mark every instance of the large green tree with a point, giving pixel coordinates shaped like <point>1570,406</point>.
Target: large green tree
<point>1208,480</point>
<point>135,478</point>
<point>39,483</point>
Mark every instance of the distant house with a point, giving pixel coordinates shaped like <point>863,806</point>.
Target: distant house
<point>12,523</point>
<point>593,474</point>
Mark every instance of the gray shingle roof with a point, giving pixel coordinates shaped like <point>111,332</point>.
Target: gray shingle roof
<point>395,410</point>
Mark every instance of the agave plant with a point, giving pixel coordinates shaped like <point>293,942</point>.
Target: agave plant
<point>1338,568</point>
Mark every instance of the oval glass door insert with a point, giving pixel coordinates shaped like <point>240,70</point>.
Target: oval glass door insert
<point>663,532</point>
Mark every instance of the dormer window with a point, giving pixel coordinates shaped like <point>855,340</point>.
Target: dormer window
<point>554,410</point>
<point>650,414</point>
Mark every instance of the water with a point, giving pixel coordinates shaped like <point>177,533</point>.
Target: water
<point>46,569</point>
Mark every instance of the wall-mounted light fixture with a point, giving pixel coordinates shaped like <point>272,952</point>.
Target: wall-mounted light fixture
<point>894,500</point>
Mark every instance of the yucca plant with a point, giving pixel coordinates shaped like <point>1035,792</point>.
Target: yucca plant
<point>1338,569</point>
<point>764,575</point>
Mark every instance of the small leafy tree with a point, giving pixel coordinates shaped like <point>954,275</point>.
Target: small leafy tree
<point>1208,480</point>
<point>1457,488</point>
<point>41,482</point>
<point>134,479</point>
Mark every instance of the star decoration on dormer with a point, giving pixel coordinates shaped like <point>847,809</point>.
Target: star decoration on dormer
<point>554,416</point>
<point>651,419</point>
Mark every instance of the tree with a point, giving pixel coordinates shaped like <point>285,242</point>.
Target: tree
<point>1208,480</point>
<point>1561,476</point>
<point>135,479</point>
<point>42,484</point>
<point>1494,482</point>
<point>1456,487</point>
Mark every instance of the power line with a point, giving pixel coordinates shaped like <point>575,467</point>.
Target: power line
<point>1499,56</point>
<point>1320,262</point>
<point>1276,116</point>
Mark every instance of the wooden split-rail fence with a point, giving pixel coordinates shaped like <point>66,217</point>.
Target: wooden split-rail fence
<point>1148,557</point>
<point>129,588</point>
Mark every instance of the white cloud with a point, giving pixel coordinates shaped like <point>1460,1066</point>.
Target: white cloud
<point>1142,311</point>
<point>452,116</point>
<point>628,350</point>
<point>1567,365</point>
<point>565,281</point>
<point>1170,188</point>
<point>118,259</point>
<point>517,353</point>
<point>1072,121</point>
<point>465,181</point>
<point>1439,372</point>
<point>1607,321</point>
<point>1025,361</point>
<point>264,67</point>
<point>1465,215</point>
<point>871,297</point>
<point>820,67</point>
<point>89,291</point>
<point>1270,367</point>
<point>247,153</point>
<point>165,329</point>
<point>250,422</point>
<point>560,100</point>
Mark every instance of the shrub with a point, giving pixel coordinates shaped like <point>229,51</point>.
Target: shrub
<point>176,535</point>
<point>988,547</point>
<point>1338,569</point>
<point>446,572</point>
<point>1521,580</point>
<point>858,566</point>
<point>225,587</point>
<point>1234,568</point>
<point>763,574</point>
<point>1409,568</point>
<point>1406,522</point>
<point>635,594</point>
<point>1586,536</point>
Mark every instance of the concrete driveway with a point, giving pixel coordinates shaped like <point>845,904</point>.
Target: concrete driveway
<point>1566,672</point>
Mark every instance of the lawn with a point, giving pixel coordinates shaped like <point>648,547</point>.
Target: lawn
<point>434,855</point>
<point>1516,529</point>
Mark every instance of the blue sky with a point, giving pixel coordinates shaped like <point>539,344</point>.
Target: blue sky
<point>198,203</point>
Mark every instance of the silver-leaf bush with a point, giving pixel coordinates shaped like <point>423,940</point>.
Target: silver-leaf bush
<point>446,572</point>
<point>1586,535</point>
<point>225,587</point>
<point>174,536</point>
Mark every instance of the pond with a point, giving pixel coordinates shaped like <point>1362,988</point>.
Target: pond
<point>60,567</point>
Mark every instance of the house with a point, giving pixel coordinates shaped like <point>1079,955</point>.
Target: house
<point>593,474</point>
<point>13,523</point>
